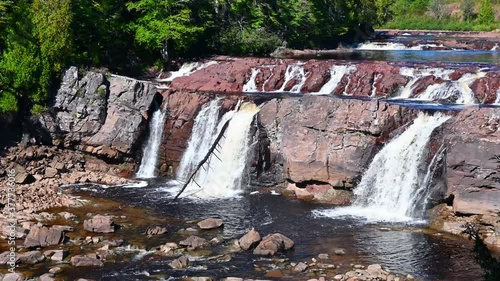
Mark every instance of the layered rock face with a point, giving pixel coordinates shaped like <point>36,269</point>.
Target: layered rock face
<point>100,115</point>
<point>437,82</point>
<point>473,160</point>
<point>323,140</point>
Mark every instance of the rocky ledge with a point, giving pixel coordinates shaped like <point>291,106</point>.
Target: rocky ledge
<point>344,78</point>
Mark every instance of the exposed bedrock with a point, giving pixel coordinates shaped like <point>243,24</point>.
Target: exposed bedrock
<point>319,140</point>
<point>100,115</point>
<point>347,78</point>
<point>473,160</point>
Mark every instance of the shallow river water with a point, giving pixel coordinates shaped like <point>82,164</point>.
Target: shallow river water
<point>403,248</point>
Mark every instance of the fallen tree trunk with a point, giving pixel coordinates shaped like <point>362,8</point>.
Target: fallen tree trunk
<point>205,159</point>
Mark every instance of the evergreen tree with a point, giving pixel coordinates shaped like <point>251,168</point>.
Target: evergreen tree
<point>485,15</point>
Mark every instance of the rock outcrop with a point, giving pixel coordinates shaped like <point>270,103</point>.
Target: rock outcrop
<point>322,140</point>
<point>101,115</point>
<point>473,160</point>
<point>342,78</point>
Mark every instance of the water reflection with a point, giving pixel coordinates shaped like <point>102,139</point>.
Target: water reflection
<point>398,247</point>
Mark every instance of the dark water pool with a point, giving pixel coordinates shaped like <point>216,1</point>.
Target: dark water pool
<point>402,248</point>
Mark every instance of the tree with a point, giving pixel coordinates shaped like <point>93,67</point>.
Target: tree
<point>165,25</point>
<point>467,7</point>
<point>38,44</point>
<point>486,15</point>
<point>439,8</point>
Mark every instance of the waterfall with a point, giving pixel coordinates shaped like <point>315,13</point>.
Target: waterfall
<point>337,72</point>
<point>449,89</point>
<point>389,189</point>
<point>389,46</point>
<point>294,72</point>
<point>187,69</point>
<point>202,136</point>
<point>416,74</point>
<point>251,85</point>
<point>150,155</point>
<point>223,177</point>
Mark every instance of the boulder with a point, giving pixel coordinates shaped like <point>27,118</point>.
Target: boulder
<point>85,261</point>
<point>46,277</point>
<point>180,263</point>
<point>32,257</point>
<point>43,236</point>
<point>249,240</point>
<point>210,223</point>
<point>99,224</point>
<point>157,230</point>
<point>14,276</point>
<point>193,242</point>
<point>51,172</point>
<point>273,243</point>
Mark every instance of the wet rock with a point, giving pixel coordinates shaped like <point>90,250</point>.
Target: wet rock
<point>200,279</point>
<point>249,240</point>
<point>275,274</point>
<point>85,261</point>
<point>58,255</point>
<point>180,263</point>
<point>273,243</point>
<point>339,252</point>
<point>55,270</point>
<point>14,276</point>
<point>300,267</point>
<point>46,277</point>
<point>32,257</point>
<point>323,256</point>
<point>157,230</point>
<point>67,215</point>
<point>100,224</point>
<point>338,277</point>
<point>193,242</point>
<point>42,236</point>
<point>210,223</point>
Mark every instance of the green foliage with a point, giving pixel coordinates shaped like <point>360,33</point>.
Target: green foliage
<point>248,41</point>
<point>485,15</point>
<point>467,7</point>
<point>413,14</point>
<point>439,9</point>
<point>38,43</point>
<point>163,22</point>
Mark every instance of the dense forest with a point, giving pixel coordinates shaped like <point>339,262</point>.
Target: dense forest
<point>39,38</point>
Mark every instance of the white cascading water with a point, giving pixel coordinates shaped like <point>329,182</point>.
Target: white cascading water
<point>186,70</point>
<point>202,136</point>
<point>294,72</point>
<point>251,85</point>
<point>416,74</point>
<point>337,72</point>
<point>150,155</point>
<point>223,177</point>
<point>389,46</point>
<point>448,89</point>
<point>497,101</point>
<point>388,188</point>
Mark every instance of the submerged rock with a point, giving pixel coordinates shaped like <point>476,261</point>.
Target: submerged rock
<point>273,243</point>
<point>85,261</point>
<point>157,230</point>
<point>210,223</point>
<point>180,263</point>
<point>100,224</point>
<point>193,242</point>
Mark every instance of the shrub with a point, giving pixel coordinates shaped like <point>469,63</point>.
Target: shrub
<point>467,7</point>
<point>486,15</point>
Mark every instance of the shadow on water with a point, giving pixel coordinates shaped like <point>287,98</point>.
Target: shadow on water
<point>402,248</point>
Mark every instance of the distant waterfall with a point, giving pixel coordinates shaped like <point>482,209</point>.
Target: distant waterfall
<point>202,136</point>
<point>337,72</point>
<point>389,46</point>
<point>223,177</point>
<point>150,155</point>
<point>459,89</point>
<point>389,187</point>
